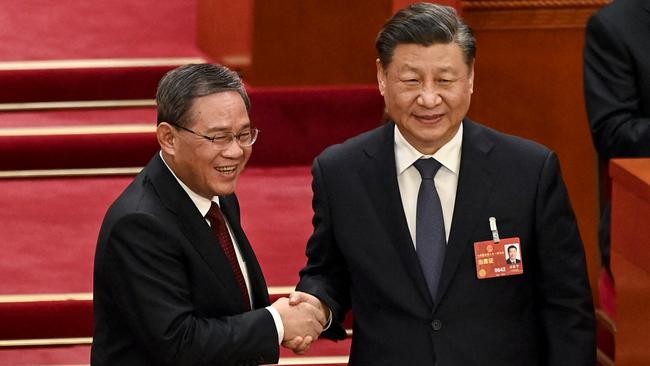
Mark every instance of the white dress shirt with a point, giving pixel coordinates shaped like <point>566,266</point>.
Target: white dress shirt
<point>446,179</point>
<point>203,205</point>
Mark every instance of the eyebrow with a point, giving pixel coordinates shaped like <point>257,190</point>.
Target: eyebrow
<point>408,67</point>
<point>224,129</point>
<point>443,69</point>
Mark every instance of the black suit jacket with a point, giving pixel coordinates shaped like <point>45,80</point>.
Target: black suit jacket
<point>617,89</point>
<point>361,257</point>
<point>617,78</point>
<point>164,292</point>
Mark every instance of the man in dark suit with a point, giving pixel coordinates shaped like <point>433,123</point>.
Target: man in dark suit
<point>401,214</point>
<point>512,255</point>
<point>617,94</point>
<point>176,280</point>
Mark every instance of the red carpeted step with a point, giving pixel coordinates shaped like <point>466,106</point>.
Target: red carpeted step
<point>36,119</point>
<point>296,124</point>
<point>52,249</point>
<point>59,255</point>
<point>80,355</point>
<point>23,319</point>
<point>79,29</point>
<point>49,317</point>
<point>82,84</point>
<point>77,151</point>
<point>50,356</point>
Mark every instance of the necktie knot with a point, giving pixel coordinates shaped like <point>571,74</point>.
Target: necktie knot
<point>427,167</point>
<point>214,213</point>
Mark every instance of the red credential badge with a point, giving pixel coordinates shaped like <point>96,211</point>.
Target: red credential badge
<point>497,259</point>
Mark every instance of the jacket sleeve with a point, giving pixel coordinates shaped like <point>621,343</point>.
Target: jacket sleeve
<point>612,95</point>
<point>325,275</point>
<point>147,277</point>
<point>565,301</point>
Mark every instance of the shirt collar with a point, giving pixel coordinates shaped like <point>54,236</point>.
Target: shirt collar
<point>202,204</point>
<point>448,155</point>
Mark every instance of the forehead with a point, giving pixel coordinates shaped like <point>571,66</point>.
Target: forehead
<point>223,110</point>
<point>438,57</point>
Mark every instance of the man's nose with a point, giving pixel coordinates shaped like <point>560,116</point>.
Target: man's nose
<point>429,97</point>
<point>233,150</point>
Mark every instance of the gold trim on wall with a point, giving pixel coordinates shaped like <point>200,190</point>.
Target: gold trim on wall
<point>51,173</point>
<point>85,296</point>
<point>97,63</point>
<point>526,19</point>
<point>46,342</point>
<point>78,104</point>
<point>528,4</point>
<point>529,14</point>
<point>78,130</point>
<point>316,360</point>
<point>80,296</point>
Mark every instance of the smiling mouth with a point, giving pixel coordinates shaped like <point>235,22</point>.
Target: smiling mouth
<point>226,169</point>
<point>429,117</point>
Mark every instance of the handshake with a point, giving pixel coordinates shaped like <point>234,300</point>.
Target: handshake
<point>304,317</point>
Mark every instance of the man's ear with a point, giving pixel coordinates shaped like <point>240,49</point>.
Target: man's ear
<point>167,138</point>
<point>471,78</point>
<point>381,77</point>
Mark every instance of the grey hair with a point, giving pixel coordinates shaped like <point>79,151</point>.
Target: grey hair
<point>179,88</point>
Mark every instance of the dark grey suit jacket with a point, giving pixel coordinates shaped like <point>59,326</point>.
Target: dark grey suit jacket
<point>361,257</point>
<point>164,291</point>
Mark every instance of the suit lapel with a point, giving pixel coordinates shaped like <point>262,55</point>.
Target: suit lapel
<point>380,178</point>
<point>475,182</point>
<point>230,209</point>
<point>193,225</point>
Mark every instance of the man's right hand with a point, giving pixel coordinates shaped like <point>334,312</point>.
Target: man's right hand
<point>302,320</point>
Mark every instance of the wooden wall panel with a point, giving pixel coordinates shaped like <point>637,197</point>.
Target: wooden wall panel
<point>631,258</point>
<point>312,42</point>
<point>225,30</point>
<point>528,82</point>
<point>296,42</point>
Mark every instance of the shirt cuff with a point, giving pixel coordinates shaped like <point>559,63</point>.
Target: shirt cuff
<point>329,322</point>
<point>278,322</point>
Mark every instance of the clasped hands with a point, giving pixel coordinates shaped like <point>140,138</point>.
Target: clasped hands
<point>304,316</point>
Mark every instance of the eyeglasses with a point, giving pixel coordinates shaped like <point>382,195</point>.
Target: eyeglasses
<point>244,138</point>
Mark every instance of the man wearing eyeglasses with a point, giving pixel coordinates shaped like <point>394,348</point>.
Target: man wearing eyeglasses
<point>176,281</point>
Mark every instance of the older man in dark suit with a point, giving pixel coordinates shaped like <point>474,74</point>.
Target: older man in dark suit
<point>403,234</point>
<point>176,280</point>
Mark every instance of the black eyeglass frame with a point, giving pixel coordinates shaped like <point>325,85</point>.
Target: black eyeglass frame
<point>254,132</point>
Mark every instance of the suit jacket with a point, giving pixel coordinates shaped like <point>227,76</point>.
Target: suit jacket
<point>617,89</point>
<point>617,78</point>
<point>516,261</point>
<point>361,257</point>
<point>164,291</point>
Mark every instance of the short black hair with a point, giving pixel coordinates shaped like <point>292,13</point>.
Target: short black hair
<point>425,24</point>
<point>179,88</point>
<point>512,247</point>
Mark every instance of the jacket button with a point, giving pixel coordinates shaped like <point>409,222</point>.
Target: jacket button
<point>436,324</point>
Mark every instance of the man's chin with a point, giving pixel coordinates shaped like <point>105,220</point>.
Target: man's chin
<point>225,189</point>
